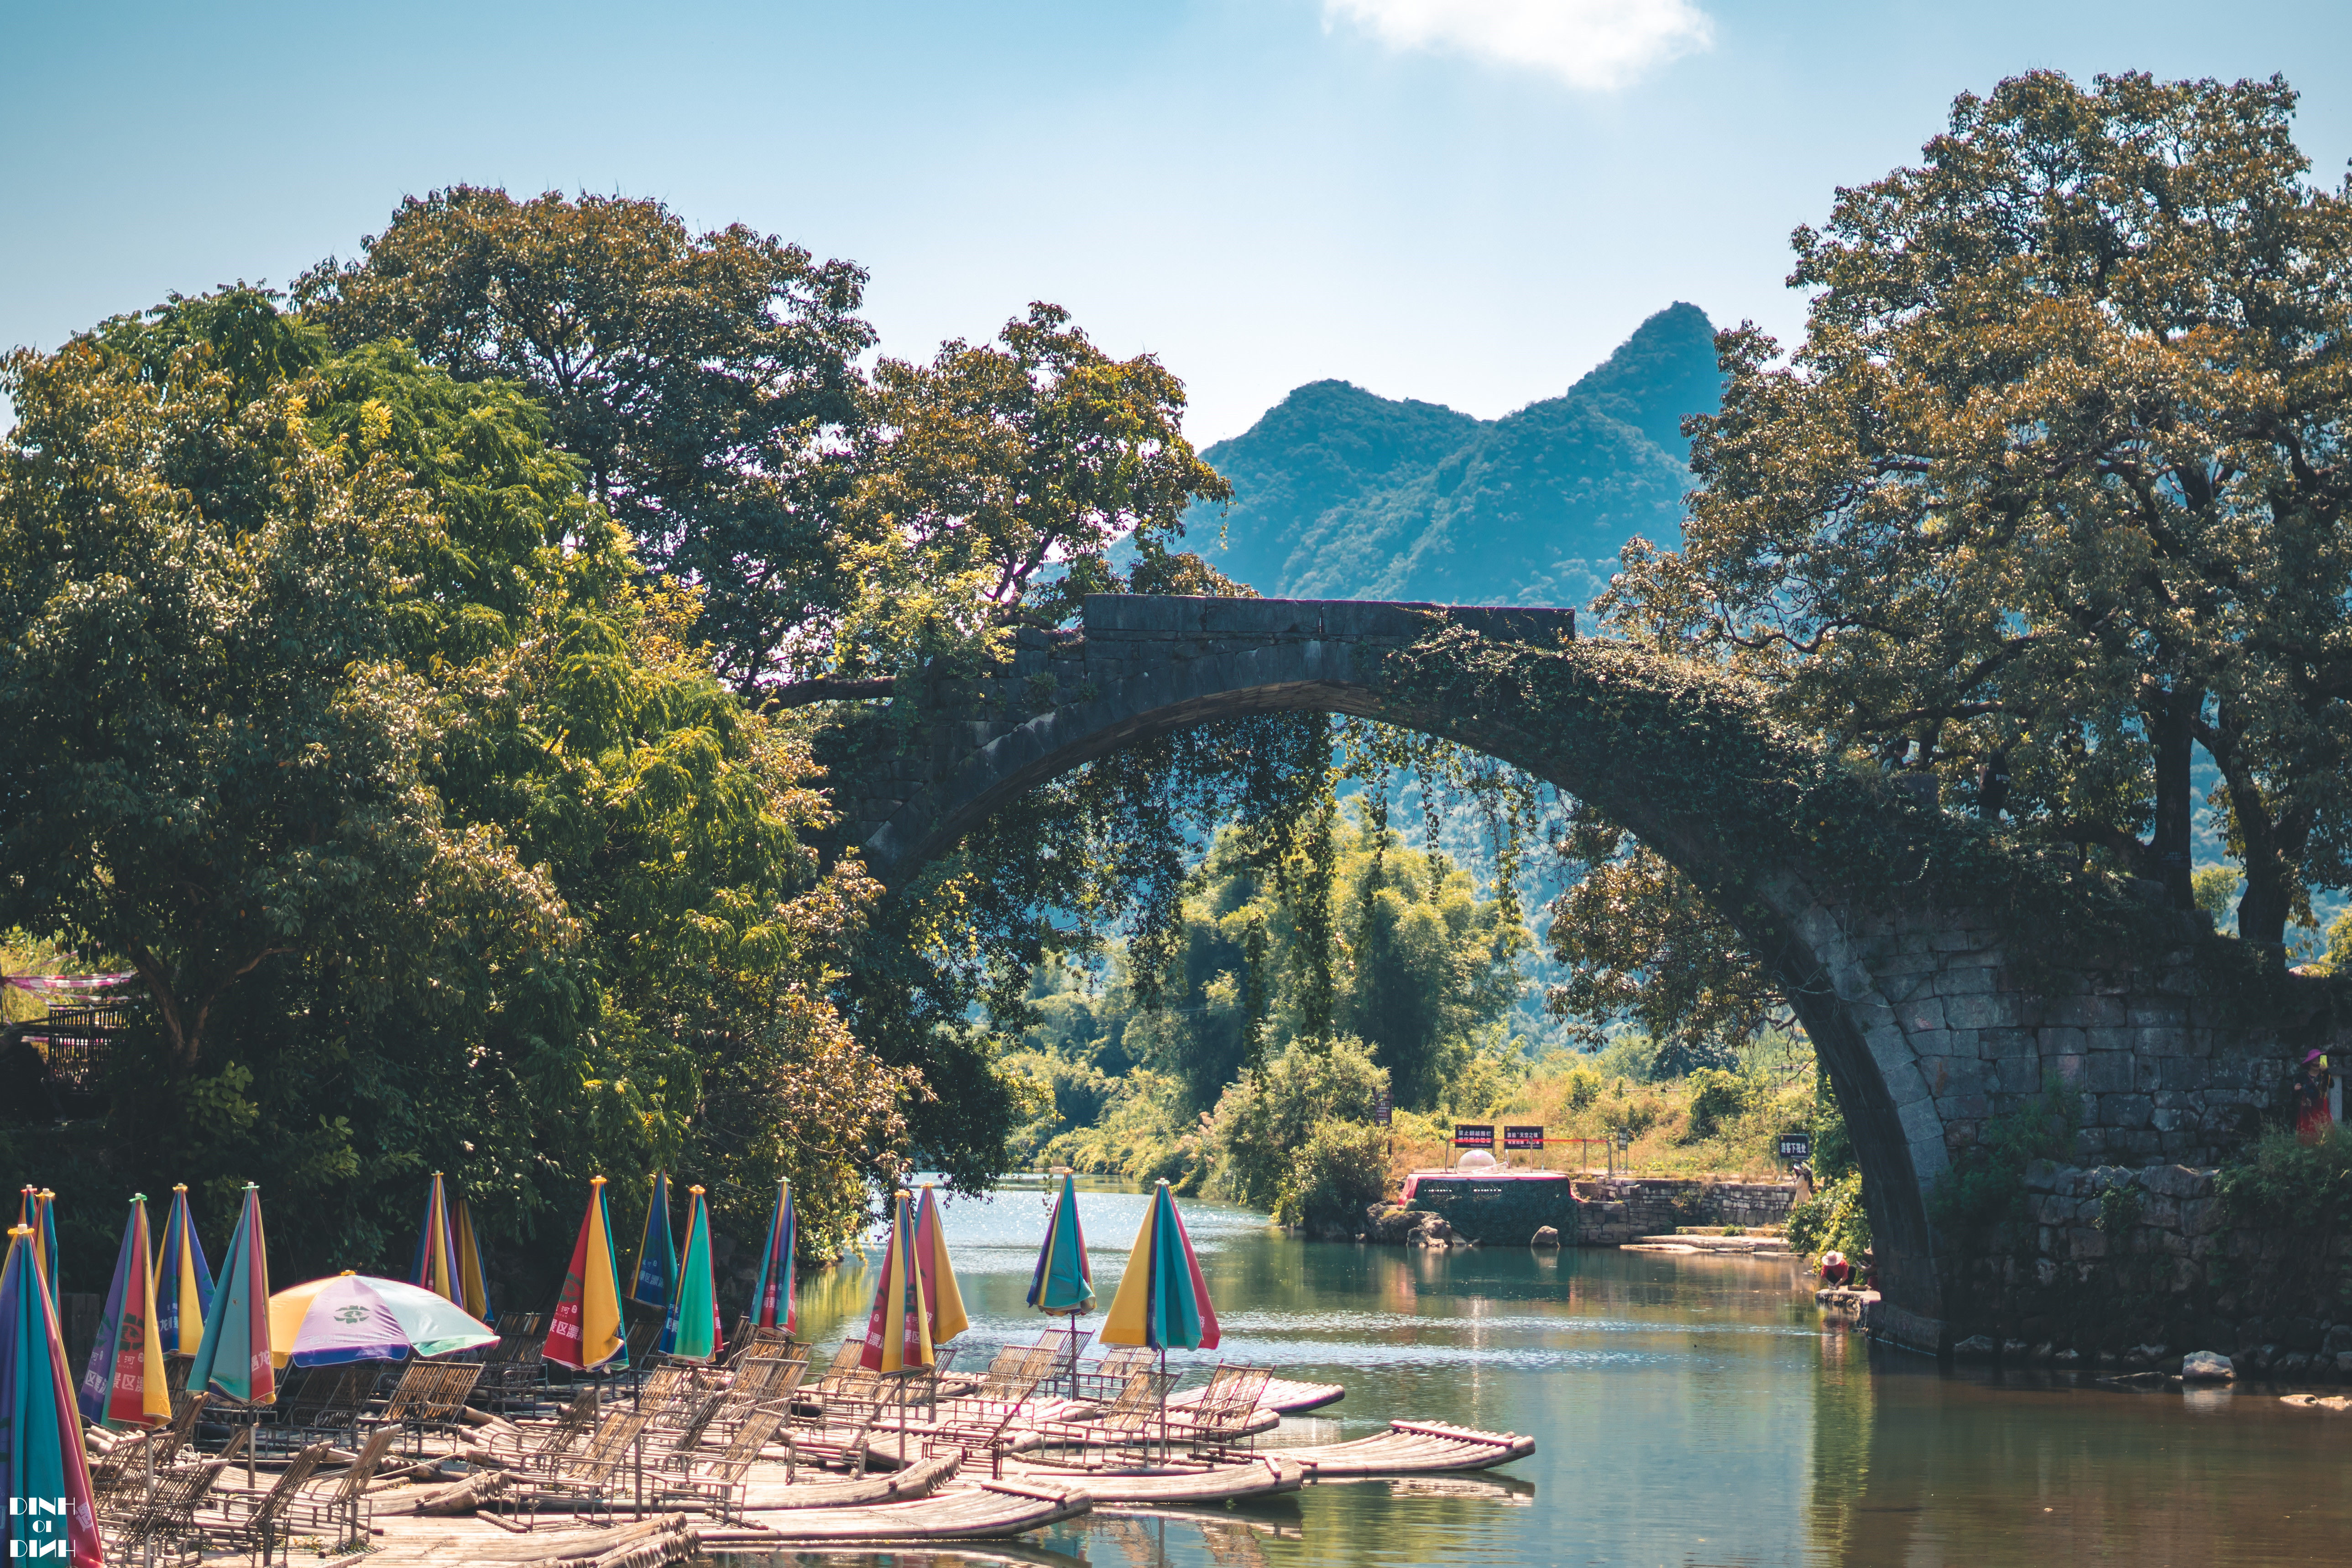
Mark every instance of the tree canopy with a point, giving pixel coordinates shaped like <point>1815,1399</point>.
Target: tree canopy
<point>2054,489</point>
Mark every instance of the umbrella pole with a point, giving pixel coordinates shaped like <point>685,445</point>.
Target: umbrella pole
<point>1163,1404</point>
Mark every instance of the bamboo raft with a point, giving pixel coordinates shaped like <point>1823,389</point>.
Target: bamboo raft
<point>1282,1396</point>
<point>1268,1475</point>
<point>990,1510</point>
<point>1411,1449</point>
<point>905,1484</point>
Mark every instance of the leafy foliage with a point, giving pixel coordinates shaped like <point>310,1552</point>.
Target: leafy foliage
<point>2054,489</point>
<point>2282,1180</point>
<point>1833,1220</point>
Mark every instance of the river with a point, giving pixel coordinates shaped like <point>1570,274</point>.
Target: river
<point>1687,1410</point>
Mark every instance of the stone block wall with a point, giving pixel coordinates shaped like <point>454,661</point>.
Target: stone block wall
<point>2130,1268</point>
<point>1613,1210</point>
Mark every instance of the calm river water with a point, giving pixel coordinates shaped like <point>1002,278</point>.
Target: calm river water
<point>1687,1410</point>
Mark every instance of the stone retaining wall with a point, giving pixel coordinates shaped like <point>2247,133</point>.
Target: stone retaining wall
<point>2133,1268</point>
<point>1613,1210</point>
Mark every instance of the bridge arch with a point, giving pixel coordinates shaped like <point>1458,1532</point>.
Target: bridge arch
<point>1891,926</point>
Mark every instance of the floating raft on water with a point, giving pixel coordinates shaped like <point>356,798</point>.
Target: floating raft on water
<point>1411,1449</point>
<point>1281,1395</point>
<point>1267,1475</point>
<point>920,1479</point>
<point>991,1510</point>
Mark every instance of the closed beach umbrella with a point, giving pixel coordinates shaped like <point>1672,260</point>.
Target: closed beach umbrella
<point>586,1334</point>
<point>772,1306</point>
<point>1064,1282</point>
<point>36,1211</point>
<point>476,1296</point>
<point>124,1385</point>
<point>183,1280</point>
<point>939,1293</point>
<point>656,1275</point>
<point>691,1326</point>
<point>234,1360</point>
<point>898,1332</point>
<point>43,1470</point>
<point>1162,1302</point>
<point>358,1317</point>
<point>436,1267</point>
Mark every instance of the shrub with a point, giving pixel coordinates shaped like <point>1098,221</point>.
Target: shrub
<point>1265,1119</point>
<point>1716,1097</point>
<point>1583,1088</point>
<point>1342,1169</point>
<point>2282,1180</point>
<point>1831,1220</point>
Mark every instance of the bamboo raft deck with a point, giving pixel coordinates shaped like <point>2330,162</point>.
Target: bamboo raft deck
<point>988,1511</point>
<point>1281,1395</point>
<point>1411,1449</point>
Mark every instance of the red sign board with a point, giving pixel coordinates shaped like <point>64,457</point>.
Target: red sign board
<point>1470,1135</point>
<point>1522,1137</point>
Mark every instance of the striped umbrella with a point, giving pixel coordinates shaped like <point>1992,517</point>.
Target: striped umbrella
<point>436,1265</point>
<point>1063,1282</point>
<point>476,1298</point>
<point>233,1361</point>
<point>772,1306</point>
<point>357,1317</point>
<point>939,1292</point>
<point>691,1326</point>
<point>898,1332</point>
<point>1163,1303</point>
<point>656,1275</point>
<point>44,1469</point>
<point>586,1334</point>
<point>183,1280</point>
<point>124,1385</point>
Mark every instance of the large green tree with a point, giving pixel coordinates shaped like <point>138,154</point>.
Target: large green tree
<point>526,888</point>
<point>702,381</point>
<point>2054,489</point>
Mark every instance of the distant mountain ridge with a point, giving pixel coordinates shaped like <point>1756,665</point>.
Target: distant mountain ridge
<point>1342,494</point>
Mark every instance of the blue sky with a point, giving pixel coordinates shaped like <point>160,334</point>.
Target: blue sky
<point>1469,201</point>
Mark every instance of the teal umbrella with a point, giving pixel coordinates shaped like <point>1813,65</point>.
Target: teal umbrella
<point>44,1469</point>
<point>1063,1282</point>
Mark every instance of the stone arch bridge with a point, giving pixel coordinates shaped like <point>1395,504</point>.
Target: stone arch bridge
<point>1943,979</point>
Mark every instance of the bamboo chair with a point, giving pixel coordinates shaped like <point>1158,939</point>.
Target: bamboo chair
<point>759,1381</point>
<point>1121,1434</point>
<point>540,1443</point>
<point>737,1343</point>
<point>164,1517</point>
<point>255,1526</point>
<point>724,1479</point>
<point>1108,1373</point>
<point>327,1399</point>
<point>1225,1409</point>
<point>516,1364</point>
<point>980,1426</point>
<point>339,1501</point>
<point>599,1469</point>
<point>429,1394</point>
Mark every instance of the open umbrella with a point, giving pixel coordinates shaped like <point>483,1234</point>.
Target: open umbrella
<point>691,1326</point>
<point>898,1332</point>
<point>772,1306</point>
<point>44,1469</point>
<point>183,1280</point>
<point>124,1385</point>
<point>939,1293</point>
<point>1163,1303</point>
<point>1063,1282</point>
<point>586,1334</point>
<point>234,1360</point>
<point>657,1275</point>
<point>436,1267</point>
<point>476,1298</point>
<point>359,1317</point>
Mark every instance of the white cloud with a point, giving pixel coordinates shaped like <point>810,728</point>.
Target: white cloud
<point>1591,44</point>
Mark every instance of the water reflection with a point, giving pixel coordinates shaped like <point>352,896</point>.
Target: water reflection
<point>1689,1410</point>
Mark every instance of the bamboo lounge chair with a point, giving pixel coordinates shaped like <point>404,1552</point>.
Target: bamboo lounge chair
<point>605,1466</point>
<point>723,1480</point>
<point>430,1394</point>
<point>256,1526</point>
<point>540,1443</point>
<point>1121,1434</point>
<point>161,1516</point>
<point>1227,1409</point>
<point>341,1503</point>
<point>973,1428</point>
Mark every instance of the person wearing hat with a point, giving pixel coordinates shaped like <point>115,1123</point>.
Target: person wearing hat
<point>1835,1270</point>
<point>2310,1091</point>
